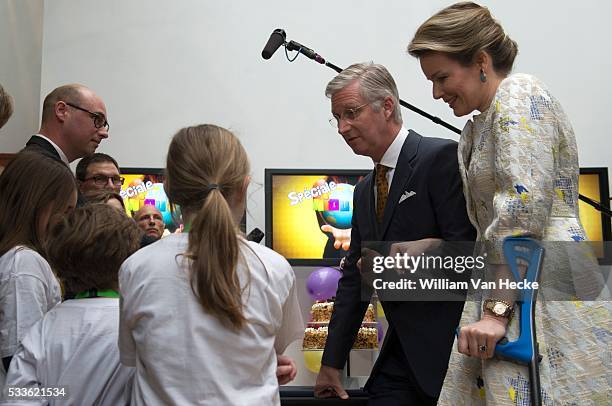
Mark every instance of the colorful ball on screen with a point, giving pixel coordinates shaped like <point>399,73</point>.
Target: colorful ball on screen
<point>157,197</point>
<point>322,284</point>
<point>339,207</point>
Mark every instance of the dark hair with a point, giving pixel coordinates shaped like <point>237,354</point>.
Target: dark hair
<point>96,196</point>
<point>86,249</point>
<point>98,157</point>
<point>198,158</point>
<point>31,186</point>
<point>6,106</point>
<point>461,31</point>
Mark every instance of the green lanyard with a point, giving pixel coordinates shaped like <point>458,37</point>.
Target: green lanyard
<point>97,293</point>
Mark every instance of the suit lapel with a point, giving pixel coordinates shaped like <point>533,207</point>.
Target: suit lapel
<point>403,172</point>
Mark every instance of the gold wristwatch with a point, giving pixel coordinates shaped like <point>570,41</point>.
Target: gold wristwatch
<point>499,308</point>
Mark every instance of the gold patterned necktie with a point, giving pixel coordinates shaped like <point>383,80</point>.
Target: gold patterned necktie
<point>382,190</point>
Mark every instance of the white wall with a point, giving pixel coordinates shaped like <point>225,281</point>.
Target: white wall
<point>21,33</point>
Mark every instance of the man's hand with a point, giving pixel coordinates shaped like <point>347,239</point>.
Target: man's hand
<point>342,238</point>
<point>414,248</point>
<point>285,369</point>
<point>328,384</point>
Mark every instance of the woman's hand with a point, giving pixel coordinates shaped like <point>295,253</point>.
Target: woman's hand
<point>482,335</point>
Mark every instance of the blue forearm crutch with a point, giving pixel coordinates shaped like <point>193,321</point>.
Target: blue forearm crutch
<point>524,350</point>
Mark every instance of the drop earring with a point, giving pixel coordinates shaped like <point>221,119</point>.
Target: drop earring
<point>483,76</point>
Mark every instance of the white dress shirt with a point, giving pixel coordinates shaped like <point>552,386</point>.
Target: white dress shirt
<point>391,156</point>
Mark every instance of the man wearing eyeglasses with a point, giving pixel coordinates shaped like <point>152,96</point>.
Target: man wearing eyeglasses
<point>98,172</point>
<point>413,194</point>
<point>73,125</point>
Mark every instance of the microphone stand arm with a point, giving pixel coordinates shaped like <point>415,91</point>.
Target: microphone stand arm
<point>296,46</point>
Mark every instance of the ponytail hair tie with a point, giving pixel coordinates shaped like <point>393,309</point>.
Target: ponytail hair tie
<point>212,186</point>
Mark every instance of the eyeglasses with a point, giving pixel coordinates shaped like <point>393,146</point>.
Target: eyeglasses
<point>348,115</point>
<point>102,180</point>
<point>98,119</point>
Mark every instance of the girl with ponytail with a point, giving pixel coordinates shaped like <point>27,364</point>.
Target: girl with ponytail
<point>205,313</point>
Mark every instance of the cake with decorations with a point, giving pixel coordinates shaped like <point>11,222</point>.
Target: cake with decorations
<point>315,337</point>
<point>321,312</point>
<point>315,334</point>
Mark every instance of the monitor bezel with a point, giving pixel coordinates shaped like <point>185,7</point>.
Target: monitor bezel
<point>604,200</point>
<point>269,173</point>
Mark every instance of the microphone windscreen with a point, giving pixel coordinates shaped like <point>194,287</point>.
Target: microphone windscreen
<point>276,40</point>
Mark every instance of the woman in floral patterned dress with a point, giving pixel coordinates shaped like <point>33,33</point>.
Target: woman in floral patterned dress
<point>519,163</point>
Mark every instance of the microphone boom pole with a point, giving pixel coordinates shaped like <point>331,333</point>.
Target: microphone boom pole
<point>309,53</point>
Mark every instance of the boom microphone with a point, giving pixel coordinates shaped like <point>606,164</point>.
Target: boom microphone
<point>277,38</point>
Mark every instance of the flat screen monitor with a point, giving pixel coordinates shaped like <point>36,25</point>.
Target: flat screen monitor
<point>593,183</point>
<point>305,208</point>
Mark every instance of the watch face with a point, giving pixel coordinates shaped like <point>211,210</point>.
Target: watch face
<point>499,308</point>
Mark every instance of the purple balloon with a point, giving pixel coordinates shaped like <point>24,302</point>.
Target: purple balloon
<point>381,332</point>
<point>323,283</point>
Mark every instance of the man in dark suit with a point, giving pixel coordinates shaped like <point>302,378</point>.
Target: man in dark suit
<point>414,193</point>
<point>73,125</point>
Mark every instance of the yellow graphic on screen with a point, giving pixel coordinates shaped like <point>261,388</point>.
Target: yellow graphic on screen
<point>589,216</point>
<point>140,190</point>
<point>301,204</point>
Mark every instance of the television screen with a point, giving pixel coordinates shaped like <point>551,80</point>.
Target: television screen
<point>307,211</point>
<point>144,186</point>
<point>593,183</point>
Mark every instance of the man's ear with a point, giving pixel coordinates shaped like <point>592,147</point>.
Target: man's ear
<point>61,110</point>
<point>389,106</point>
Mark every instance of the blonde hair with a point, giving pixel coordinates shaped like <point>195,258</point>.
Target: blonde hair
<point>461,31</point>
<point>206,165</point>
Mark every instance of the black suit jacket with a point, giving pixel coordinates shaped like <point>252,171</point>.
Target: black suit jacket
<point>44,147</point>
<point>428,167</point>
